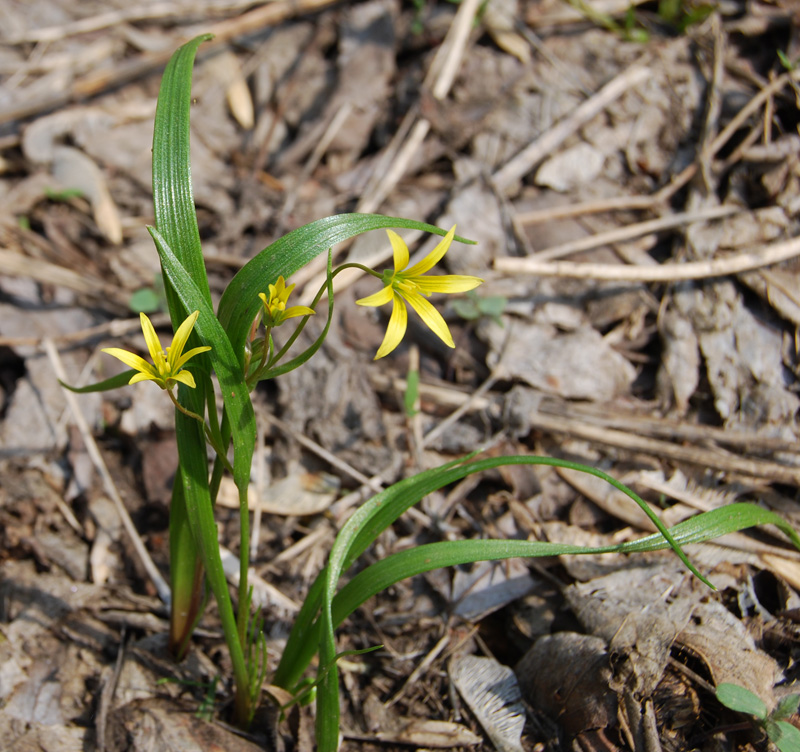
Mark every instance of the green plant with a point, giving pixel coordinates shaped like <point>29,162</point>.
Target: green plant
<point>227,343</point>
<point>472,306</point>
<point>782,734</point>
<point>149,299</point>
<point>681,14</point>
<point>629,30</point>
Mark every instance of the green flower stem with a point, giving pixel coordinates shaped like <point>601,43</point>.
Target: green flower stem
<point>243,613</point>
<point>314,304</point>
<point>210,438</point>
<point>264,367</point>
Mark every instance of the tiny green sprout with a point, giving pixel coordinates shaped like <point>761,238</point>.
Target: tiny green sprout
<point>473,306</point>
<point>205,710</point>
<point>782,734</point>
<point>144,300</point>
<point>681,14</point>
<point>411,396</point>
<point>151,299</point>
<point>64,194</point>
<point>786,61</point>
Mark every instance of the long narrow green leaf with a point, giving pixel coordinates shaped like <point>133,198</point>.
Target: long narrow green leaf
<point>387,572</point>
<point>240,303</point>
<point>378,513</point>
<point>177,222</point>
<point>381,575</point>
<point>115,382</point>
<point>173,199</point>
<point>192,451</point>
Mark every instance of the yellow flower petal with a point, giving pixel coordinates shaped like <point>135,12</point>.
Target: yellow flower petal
<point>433,258</point>
<point>130,359</point>
<point>447,283</point>
<point>137,377</point>
<point>432,318</point>
<point>396,329</point>
<point>180,339</point>
<point>153,343</point>
<point>185,377</point>
<point>298,310</point>
<point>382,297</point>
<point>399,250</point>
<point>176,366</point>
<point>166,368</point>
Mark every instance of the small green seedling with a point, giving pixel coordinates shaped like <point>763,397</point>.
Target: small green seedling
<point>786,61</point>
<point>207,707</point>
<point>149,299</point>
<point>472,306</point>
<point>64,194</point>
<point>782,734</point>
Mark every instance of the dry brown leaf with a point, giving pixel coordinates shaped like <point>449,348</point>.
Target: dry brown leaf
<point>578,364</point>
<point>722,642</point>
<point>567,675</point>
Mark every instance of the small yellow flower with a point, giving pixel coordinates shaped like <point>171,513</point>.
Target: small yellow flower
<point>275,310</point>
<point>410,286</point>
<point>168,365</point>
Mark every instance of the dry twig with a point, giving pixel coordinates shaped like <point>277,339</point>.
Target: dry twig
<point>706,269</point>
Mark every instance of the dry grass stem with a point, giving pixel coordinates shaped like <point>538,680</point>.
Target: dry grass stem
<point>676,272</point>
<point>638,230</point>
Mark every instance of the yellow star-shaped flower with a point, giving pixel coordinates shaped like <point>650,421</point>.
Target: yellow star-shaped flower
<point>410,286</point>
<point>275,310</point>
<point>167,365</point>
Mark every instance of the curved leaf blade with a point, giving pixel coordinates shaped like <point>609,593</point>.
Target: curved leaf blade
<point>173,199</point>
<point>115,382</point>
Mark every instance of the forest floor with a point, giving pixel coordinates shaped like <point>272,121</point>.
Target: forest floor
<point>631,179</point>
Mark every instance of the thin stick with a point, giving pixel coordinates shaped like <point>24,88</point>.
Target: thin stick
<point>596,415</point>
<point>333,128</point>
<point>475,399</point>
<point>130,14</point>
<point>742,262</point>
<point>108,482</point>
<point>629,232</point>
<point>115,328</point>
<point>17,265</point>
<point>421,668</point>
<point>595,206</point>
<point>694,455</point>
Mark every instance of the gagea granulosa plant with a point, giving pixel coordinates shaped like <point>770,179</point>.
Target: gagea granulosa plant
<point>235,344</point>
